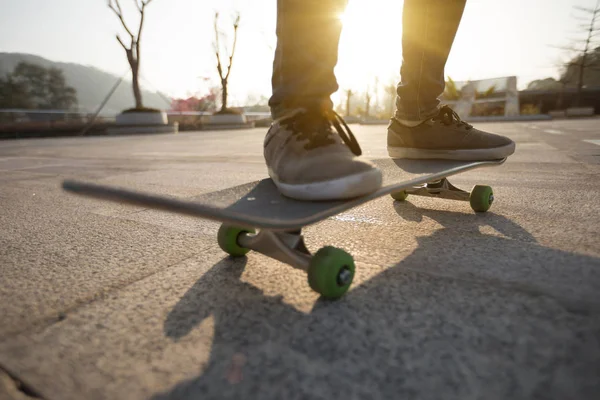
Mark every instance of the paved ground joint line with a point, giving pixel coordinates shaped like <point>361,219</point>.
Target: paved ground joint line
<point>27,391</point>
<point>47,322</point>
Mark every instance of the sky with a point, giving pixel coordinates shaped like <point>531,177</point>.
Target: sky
<point>496,38</point>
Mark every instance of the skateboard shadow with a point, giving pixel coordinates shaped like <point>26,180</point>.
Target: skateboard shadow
<point>465,313</point>
<point>220,292</point>
<point>470,222</point>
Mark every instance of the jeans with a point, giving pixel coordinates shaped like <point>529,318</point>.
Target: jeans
<point>308,32</point>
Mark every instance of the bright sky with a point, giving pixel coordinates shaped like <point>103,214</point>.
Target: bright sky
<point>496,38</point>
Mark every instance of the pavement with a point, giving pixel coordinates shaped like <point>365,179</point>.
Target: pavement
<point>107,301</point>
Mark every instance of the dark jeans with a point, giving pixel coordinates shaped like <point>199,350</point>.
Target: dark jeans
<point>308,33</point>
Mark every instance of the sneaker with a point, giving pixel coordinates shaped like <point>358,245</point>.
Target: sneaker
<point>314,156</point>
<point>445,136</point>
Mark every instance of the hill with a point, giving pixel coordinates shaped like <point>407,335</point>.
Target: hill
<point>92,84</point>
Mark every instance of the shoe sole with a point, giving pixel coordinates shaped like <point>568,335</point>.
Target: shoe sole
<point>347,187</point>
<point>494,153</point>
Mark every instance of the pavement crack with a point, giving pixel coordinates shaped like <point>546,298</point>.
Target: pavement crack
<point>52,320</point>
<point>16,388</point>
<point>108,291</point>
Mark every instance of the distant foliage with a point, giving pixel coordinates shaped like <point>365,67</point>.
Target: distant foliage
<point>530,109</point>
<point>31,86</point>
<point>591,73</point>
<point>489,92</point>
<point>451,91</point>
<point>569,76</point>
<point>550,84</point>
<point>206,103</point>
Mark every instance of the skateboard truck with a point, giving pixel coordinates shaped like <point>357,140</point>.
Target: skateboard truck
<point>480,197</point>
<point>330,270</point>
<point>287,247</point>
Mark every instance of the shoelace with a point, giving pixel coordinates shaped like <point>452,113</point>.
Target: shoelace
<point>448,116</point>
<point>315,127</point>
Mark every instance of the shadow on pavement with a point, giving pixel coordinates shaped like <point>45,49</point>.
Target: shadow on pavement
<point>465,222</point>
<point>493,249</point>
<point>466,315</point>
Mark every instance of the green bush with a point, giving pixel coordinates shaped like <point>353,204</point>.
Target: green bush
<point>530,109</point>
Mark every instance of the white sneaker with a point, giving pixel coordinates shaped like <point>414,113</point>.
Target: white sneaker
<point>309,160</point>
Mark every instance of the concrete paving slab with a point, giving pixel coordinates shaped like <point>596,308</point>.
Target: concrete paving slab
<point>99,300</point>
<point>203,329</point>
<point>54,256</point>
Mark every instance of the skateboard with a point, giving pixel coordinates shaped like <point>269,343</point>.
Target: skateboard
<point>255,216</point>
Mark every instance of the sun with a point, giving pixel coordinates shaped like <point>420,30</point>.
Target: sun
<point>370,44</point>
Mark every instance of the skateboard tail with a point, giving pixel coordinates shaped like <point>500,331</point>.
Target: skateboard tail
<point>162,203</point>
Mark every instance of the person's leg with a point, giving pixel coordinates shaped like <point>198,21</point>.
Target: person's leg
<point>310,152</point>
<point>308,32</point>
<point>429,28</point>
<point>419,128</point>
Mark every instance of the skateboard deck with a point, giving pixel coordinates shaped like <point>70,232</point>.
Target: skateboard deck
<point>260,205</point>
<point>280,220</point>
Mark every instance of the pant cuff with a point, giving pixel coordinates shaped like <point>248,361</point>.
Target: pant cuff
<point>416,115</point>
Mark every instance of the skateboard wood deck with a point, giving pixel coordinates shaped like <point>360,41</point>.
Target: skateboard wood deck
<point>260,205</point>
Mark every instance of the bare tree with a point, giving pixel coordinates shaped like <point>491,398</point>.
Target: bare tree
<point>582,47</point>
<point>368,97</point>
<point>376,94</point>
<point>349,94</point>
<point>133,51</point>
<point>224,75</point>
<point>391,92</point>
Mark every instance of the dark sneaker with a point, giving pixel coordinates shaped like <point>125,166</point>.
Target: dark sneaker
<point>314,156</point>
<point>445,136</point>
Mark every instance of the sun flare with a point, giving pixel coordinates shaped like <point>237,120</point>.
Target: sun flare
<point>370,43</point>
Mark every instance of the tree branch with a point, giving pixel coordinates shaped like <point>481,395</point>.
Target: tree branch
<point>142,13</point>
<point>122,44</point>
<point>119,6</point>
<point>144,4</point>
<point>236,25</point>
<point>119,14</point>
<point>217,49</point>
<point>586,10</point>
<point>568,48</point>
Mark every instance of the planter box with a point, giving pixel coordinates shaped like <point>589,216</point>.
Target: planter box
<point>580,111</point>
<point>142,118</point>
<point>142,129</point>
<point>558,114</point>
<point>227,121</point>
<point>374,121</point>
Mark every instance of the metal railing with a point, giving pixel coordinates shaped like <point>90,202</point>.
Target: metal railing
<point>8,115</point>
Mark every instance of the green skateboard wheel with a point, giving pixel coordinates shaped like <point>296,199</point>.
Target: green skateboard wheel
<point>400,196</point>
<point>481,198</point>
<point>330,272</point>
<point>228,240</point>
